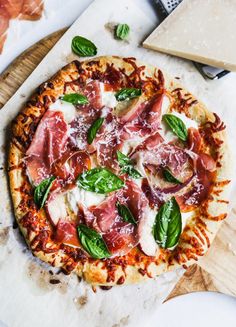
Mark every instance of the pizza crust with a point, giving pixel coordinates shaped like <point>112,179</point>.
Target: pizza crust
<point>199,231</point>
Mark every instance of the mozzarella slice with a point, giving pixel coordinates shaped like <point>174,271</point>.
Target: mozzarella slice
<point>68,109</point>
<point>146,238</point>
<point>77,195</point>
<point>57,208</point>
<point>108,97</point>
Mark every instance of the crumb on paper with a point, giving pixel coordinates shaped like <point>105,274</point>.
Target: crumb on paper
<point>123,322</point>
<point>4,235</point>
<point>81,300</point>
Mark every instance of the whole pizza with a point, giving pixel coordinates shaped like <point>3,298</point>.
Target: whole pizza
<point>117,173</point>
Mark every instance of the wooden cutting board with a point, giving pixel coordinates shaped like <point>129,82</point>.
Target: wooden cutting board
<point>216,271</point>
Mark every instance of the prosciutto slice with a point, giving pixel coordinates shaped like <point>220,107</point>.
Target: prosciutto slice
<point>144,118</point>
<point>92,91</point>
<point>22,9</point>
<point>48,145</point>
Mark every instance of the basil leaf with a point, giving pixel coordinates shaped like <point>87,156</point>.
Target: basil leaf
<point>42,190</point>
<point>125,213</point>
<point>83,47</point>
<point>122,31</point>
<point>168,224</point>
<point>177,126</point>
<point>169,177</point>
<point>99,180</point>
<point>126,165</point>
<point>92,242</point>
<point>75,98</point>
<point>94,129</point>
<point>127,94</point>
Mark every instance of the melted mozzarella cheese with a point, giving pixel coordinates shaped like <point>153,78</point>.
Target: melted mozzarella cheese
<point>68,109</point>
<point>108,97</point>
<point>168,135</point>
<point>147,241</point>
<point>77,195</point>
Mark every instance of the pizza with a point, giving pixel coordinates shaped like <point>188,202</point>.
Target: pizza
<point>117,173</point>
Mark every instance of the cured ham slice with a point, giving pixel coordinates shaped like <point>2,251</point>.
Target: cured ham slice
<point>48,145</point>
<point>144,118</point>
<point>106,214</point>
<point>134,198</point>
<point>194,140</point>
<point>109,141</point>
<point>13,7</point>
<point>121,239</point>
<point>120,236</point>
<point>71,165</point>
<point>31,9</point>
<point>4,24</point>
<point>93,92</point>
<point>66,233</point>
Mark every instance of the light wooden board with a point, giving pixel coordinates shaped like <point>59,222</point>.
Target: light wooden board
<point>216,271</point>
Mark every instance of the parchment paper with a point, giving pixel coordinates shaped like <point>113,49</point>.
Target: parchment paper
<point>27,298</point>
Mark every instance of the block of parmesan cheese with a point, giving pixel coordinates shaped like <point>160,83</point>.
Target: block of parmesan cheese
<point>200,30</point>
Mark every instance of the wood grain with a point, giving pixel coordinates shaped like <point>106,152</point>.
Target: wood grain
<point>12,78</point>
<point>215,271</point>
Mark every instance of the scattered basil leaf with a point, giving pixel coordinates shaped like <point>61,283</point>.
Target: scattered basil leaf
<point>92,242</point>
<point>94,129</point>
<point>127,94</point>
<point>75,98</point>
<point>126,165</point>
<point>41,191</point>
<point>169,177</point>
<point>168,224</point>
<point>177,126</point>
<point>122,31</point>
<point>125,213</point>
<point>83,47</point>
<point>99,180</point>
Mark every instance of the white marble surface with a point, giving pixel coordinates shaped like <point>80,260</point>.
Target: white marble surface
<point>207,309</point>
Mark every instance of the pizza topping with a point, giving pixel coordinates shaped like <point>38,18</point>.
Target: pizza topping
<point>93,93</point>
<point>126,165</point>
<point>99,180</point>
<point>169,177</point>
<point>125,213</point>
<point>121,238</point>
<point>56,207</point>
<point>48,145</point>
<point>93,242</point>
<point>42,190</point>
<point>94,129</point>
<point>122,31</point>
<point>86,139</point>
<point>75,98</point>
<point>168,224</point>
<point>127,94</point>
<point>83,47</point>
<point>177,126</point>
<point>66,232</point>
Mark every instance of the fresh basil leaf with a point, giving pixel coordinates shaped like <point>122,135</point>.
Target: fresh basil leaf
<point>127,94</point>
<point>94,129</point>
<point>99,180</point>
<point>169,177</point>
<point>177,126</point>
<point>92,242</point>
<point>122,31</point>
<point>126,165</point>
<point>168,224</point>
<point>75,98</point>
<point>125,213</point>
<point>83,47</point>
<point>42,190</point>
